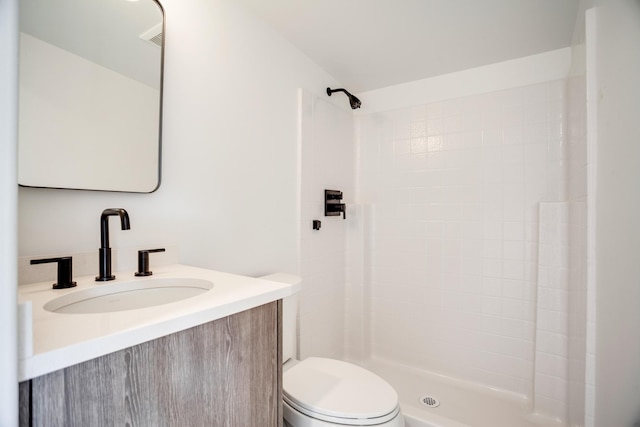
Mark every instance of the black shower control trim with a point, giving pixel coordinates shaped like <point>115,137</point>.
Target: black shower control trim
<point>332,205</point>
<point>65,271</point>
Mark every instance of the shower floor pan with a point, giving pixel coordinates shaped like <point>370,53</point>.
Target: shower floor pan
<point>429,400</point>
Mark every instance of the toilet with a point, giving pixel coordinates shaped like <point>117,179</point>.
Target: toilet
<point>321,392</point>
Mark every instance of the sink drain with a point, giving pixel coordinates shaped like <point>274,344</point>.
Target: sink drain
<point>430,401</point>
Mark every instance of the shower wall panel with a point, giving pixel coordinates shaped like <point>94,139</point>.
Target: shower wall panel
<point>578,265</point>
<point>551,378</point>
<point>454,189</point>
<point>326,159</point>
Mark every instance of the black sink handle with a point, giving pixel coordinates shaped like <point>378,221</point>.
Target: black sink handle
<point>65,271</point>
<point>143,261</point>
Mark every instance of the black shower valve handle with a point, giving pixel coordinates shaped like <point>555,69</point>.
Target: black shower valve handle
<point>65,271</point>
<point>143,261</point>
<point>337,209</point>
<point>332,205</point>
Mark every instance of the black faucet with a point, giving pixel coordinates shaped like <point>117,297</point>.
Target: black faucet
<point>105,250</point>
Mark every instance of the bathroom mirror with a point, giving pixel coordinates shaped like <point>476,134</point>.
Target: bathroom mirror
<point>90,106</point>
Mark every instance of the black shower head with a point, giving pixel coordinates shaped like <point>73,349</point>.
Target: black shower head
<point>355,102</point>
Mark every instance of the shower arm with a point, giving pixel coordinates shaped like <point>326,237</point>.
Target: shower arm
<point>353,101</point>
<point>330,91</point>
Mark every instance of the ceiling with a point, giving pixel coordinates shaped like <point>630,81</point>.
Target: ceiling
<point>370,44</point>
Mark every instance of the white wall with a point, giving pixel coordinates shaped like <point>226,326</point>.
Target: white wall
<point>8,213</point>
<point>591,95</point>
<point>578,219</point>
<point>228,197</point>
<point>618,209</point>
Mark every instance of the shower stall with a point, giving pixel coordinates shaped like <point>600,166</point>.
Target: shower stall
<point>475,255</point>
<point>460,272</point>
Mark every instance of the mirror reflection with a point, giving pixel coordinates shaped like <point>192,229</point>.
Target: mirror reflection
<point>90,94</point>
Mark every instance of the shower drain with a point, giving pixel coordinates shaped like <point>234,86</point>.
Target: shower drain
<point>430,401</point>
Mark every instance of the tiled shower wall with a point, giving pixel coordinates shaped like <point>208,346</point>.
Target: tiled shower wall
<point>452,192</point>
<point>550,393</point>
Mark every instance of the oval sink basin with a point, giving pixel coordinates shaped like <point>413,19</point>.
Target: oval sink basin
<point>131,295</point>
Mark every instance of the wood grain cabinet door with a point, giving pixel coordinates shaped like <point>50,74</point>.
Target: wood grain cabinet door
<point>225,373</point>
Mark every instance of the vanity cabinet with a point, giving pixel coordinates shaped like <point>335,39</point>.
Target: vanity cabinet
<point>227,372</point>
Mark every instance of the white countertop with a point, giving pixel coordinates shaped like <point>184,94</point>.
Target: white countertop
<point>62,340</point>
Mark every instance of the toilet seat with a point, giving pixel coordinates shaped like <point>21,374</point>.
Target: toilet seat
<point>339,392</point>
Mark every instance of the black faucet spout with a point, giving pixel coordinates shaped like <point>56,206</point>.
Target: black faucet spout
<point>104,224</point>
<point>105,251</point>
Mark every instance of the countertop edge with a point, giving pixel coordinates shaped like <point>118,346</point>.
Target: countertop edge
<point>50,361</point>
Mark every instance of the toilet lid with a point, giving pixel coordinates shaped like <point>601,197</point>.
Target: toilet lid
<point>337,391</point>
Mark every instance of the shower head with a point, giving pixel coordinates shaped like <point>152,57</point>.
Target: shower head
<point>355,102</point>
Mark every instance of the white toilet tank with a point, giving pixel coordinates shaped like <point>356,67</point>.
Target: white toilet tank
<point>289,315</point>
